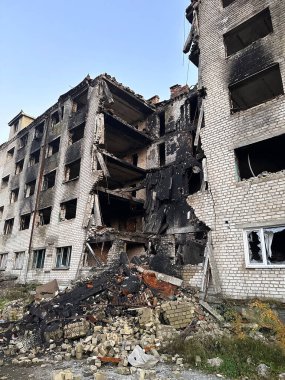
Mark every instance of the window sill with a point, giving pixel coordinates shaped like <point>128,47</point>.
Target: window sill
<point>281,266</point>
<point>2,269</point>
<point>61,268</point>
<point>260,178</point>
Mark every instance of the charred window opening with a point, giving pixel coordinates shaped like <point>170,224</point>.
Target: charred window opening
<point>49,180</point>
<point>76,133</point>
<point>8,226</point>
<point>53,147</point>
<point>63,257</point>
<point>10,154</point>
<point>248,32</point>
<point>72,170</point>
<point>19,166</point>
<point>38,258</point>
<point>227,2</point>
<point>161,152</point>
<point>1,212</point>
<point>256,89</point>
<point>24,140</point>
<point>44,216</point>
<point>135,250</point>
<point>135,159</point>
<point>80,102</point>
<point>54,119</point>
<point>34,157</point>
<point>195,180</point>
<point>14,195</point>
<point>5,181</point>
<point>161,117</point>
<point>19,260</point>
<point>265,246</point>
<point>30,189</point>
<point>39,130</point>
<point>3,260</point>
<point>262,157</point>
<point>68,210</point>
<point>25,222</point>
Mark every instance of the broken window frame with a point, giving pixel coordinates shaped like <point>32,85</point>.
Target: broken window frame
<point>52,148</point>
<point>63,255</point>
<point>8,226</point>
<point>63,210</point>
<point>23,140</point>
<point>30,188</point>
<point>54,119</point>
<point>23,221</point>
<point>38,258</point>
<point>19,260</point>
<point>5,181</point>
<point>49,180</point>
<point>265,261</point>
<point>3,260</point>
<point>19,166</point>
<point>14,195</point>
<point>72,133</point>
<point>10,154</point>
<point>41,221</point>
<point>39,131</point>
<point>68,170</point>
<point>34,158</point>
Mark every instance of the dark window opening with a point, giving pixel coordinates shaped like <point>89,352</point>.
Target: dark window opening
<point>72,170</point>
<point>80,102</point>
<point>99,254</point>
<point>135,159</point>
<point>34,157</point>
<point>161,151</point>
<point>195,181</point>
<point>3,260</point>
<point>39,258</point>
<point>44,216</point>
<point>19,166</point>
<point>10,154</point>
<point>14,195</point>
<point>1,212</point>
<point>8,226</point>
<point>256,89</point>
<point>23,140</point>
<point>54,119</point>
<point>161,124</point>
<point>49,180</point>
<point>63,257</point>
<point>227,2</point>
<point>39,130</point>
<point>251,30</point>
<point>53,147</point>
<point>76,133</point>
<point>30,189</point>
<point>266,156</point>
<point>19,260</point>
<point>68,210</point>
<point>5,181</point>
<point>25,222</point>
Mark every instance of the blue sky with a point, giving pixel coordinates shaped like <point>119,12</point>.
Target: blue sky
<point>47,47</point>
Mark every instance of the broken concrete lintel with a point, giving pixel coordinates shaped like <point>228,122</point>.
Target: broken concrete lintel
<point>162,277</point>
<point>210,310</point>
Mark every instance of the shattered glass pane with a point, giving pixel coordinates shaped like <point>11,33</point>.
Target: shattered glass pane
<point>254,245</point>
<point>274,238</point>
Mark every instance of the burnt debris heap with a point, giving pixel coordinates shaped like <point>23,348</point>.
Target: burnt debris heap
<point>102,172</point>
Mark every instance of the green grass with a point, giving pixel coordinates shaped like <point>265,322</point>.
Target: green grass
<point>241,356</point>
<point>17,292</point>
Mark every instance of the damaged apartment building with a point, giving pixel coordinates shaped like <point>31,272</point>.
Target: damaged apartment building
<point>238,47</point>
<point>100,173</point>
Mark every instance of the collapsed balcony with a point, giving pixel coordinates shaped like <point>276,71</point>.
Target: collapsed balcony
<point>119,172</point>
<point>121,138</point>
<point>128,106</point>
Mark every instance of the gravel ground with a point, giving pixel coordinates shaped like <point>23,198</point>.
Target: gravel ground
<point>163,371</point>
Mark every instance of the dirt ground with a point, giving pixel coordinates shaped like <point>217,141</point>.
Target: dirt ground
<point>163,372</point>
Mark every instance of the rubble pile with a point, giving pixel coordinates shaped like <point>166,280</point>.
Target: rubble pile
<point>105,319</point>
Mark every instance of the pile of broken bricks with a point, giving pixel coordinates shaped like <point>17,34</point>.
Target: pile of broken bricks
<point>122,317</point>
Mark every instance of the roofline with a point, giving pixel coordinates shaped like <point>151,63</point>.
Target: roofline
<point>20,114</point>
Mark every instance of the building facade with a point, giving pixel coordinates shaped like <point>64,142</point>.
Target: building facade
<point>238,47</point>
<point>101,172</point>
